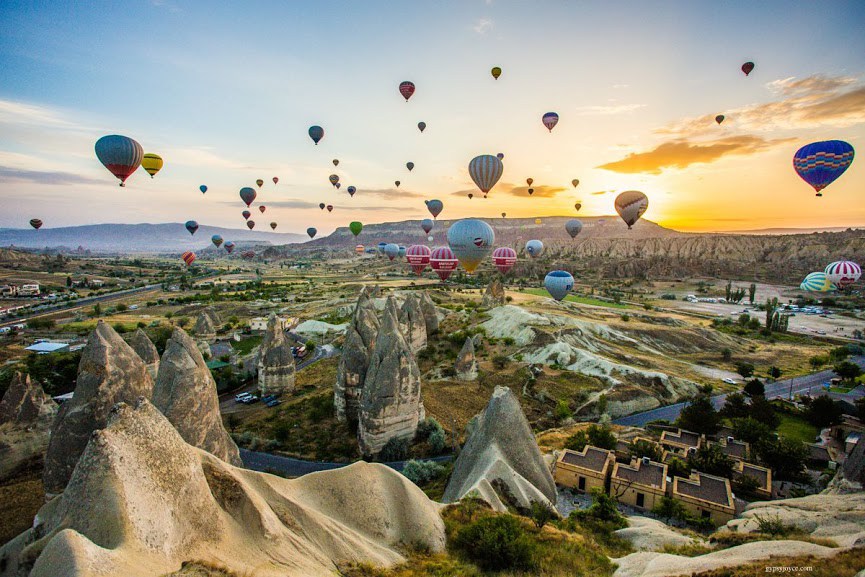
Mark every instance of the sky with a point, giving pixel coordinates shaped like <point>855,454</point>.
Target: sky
<point>225,93</point>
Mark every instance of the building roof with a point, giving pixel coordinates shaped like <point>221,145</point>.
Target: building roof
<point>47,347</point>
<point>680,437</point>
<point>734,448</point>
<point>591,458</point>
<point>743,469</point>
<point>651,474</point>
<point>705,487</point>
<point>818,453</point>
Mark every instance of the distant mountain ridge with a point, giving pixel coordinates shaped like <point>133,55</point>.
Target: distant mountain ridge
<point>137,238</point>
<point>791,230</point>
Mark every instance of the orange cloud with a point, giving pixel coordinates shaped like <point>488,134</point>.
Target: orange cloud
<point>539,191</point>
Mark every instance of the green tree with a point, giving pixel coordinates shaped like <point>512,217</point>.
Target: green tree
<point>97,310</point>
<point>121,308</point>
<point>839,353</point>
<point>541,513</point>
<point>602,436</point>
<point>754,388</point>
<point>577,441</point>
<point>671,509</point>
<point>818,361</point>
<point>700,416</point>
<point>711,460</point>
<point>645,448</point>
<point>677,467</point>
<point>763,411</point>
<point>563,411</point>
<point>847,370</point>
<point>735,406</point>
<point>495,543</point>
<point>823,412</point>
<point>751,430</point>
<point>786,457</point>
<point>726,355</point>
<point>745,369</point>
<point>775,372</point>
<point>752,291</point>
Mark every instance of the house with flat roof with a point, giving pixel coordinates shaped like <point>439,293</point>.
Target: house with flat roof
<point>46,347</point>
<point>705,496</point>
<point>584,470</point>
<point>681,442</point>
<point>736,450</point>
<point>640,484</point>
<point>762,475</point>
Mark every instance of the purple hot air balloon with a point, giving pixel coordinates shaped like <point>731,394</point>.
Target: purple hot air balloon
<point>820,163</point>
<point>550,120</point>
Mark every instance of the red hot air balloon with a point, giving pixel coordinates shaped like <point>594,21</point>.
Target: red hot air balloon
<point>246,214</point>
<point>229,247</point>
<point>262,208</point>
<point>418,257</point>
<point>250,224</point>
<point>504,258</point>
<point>275,179</point>
<point>188,257</point>
<point>329,208</point>
<point>747,68</point>
<point>36,223</point>
<point>406,89</point>
<point>443,261</point>
<point>121,155</point>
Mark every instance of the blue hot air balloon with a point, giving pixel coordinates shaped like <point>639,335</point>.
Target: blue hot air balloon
<point>402,251</point>
<point>203,188</point>
<point>247,195</point>
<point>534,248</point>
<point>817,282</point>
<point>471,240</point>
<point>121,155</point>
<point>486,170</point>
<point>316,133</point>
<point>381,246</point>
<point>391,250</point>
<point>311,232</point>
<point>216,240</point>
<point>191,226</point>
<point>435,207</point>
<point>427,225</point>
<point>820,163</point>
<point>559,283</point>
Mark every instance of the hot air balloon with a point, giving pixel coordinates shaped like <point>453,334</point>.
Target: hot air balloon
<point>36,223</point>
<point>359,249</point>
<point>538,221</point>
<point>500,156</point>
<point>321,205</point>
<point>435,207</point>
<point>188,257</point>
<point>397,183</point>
<point>443,262</point>
<point>842,273</point>
<point>559,283</point>
<point>504,214</point>
<point>329,208</point>
<point>355,227</point>
<point>409,165</point>
<point>576,182</point>
<point>406,89</point>
<point>817,282</point>
<point>421,126</point>
<point>259,183</point>
<point>719,119</point>
<point>229,246</point>
<point>529,181</point>
<point>351,190</point>
<point>531,191</point>
<point>273,226</point>
<point>471,196</point>
<point>311,232</point>
<point>573,227</point>
<point>471,240</point>
<point>402,251</point>
<point>335,162</point>
<point>262,208</point>
<point>747,68</point>
<point>578,206</point>
<point>275,180</point>
<point>631,205</point>
<point>203,188</point>
<point>247,195</point>
<point>250,224</point>
<point>334,179</point>
<point>820,163</point>
<point>248,254</point>
<point>550,119</point>
<point>504,258</point>
<point>380,246</point>
<point>191,226</point>
<point>338,185</point>
<point>316,133</point>
<point>216,240</point>
<point>534,248</point>
<point>496,72</point>
<point>486,170</point>
<point>246,214</point>
<point>151,163</point>
<point>430,238</point>
<point>120,154</point>
<point>427,225</point>
<point>418,257</point>
<point>391,250</point>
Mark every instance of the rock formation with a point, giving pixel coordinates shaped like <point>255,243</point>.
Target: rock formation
<point>213,315</point>
<point>276,370</point>
<point>25,402</point>
<point>141,344</point>
<point>370,291</point>
<point>854,466</point>
<point>358,346</point>
<point>110,372</point>
<point>413,322</point>
<point>185,392</point>
<point>26,416</point>
<point>466,366</point>
<point>429,313</point>
<point>205,328</point>
<point>141,502</point>
<point>501,459</point>
<point>494,296</point>
<point>390,404</point>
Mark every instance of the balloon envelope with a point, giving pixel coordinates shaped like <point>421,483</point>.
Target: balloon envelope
<point>355,228</point>
<point>397,183</point>
<point>203,188</point>
<point>842,273</point>
<point>486,170</point>
<point>120,154</point>
<point>391,250</point>
<point>821,163</point>
<point>529,181</point>
<point>559,283</point>
<point>719,119</point>
<point>321,205</point>
<point>191,226</point>
<point>351,190</point>
<point>578,205</point>
<point>229,246</point>
<point>259,183</point>
<point>250,224</point>
<point>188,257</point>
<point>421,126</point>
<point>409,165</point>
<point>216,240</point>
<point>435,207</point>
<point>575,182</point>
<point>151,163</point>
<point>273,226</point>
<point>500,156</point>
<point>247,194</point>
<point>380,246</point>
<point>246,214</point>
<point>359,249</point>
<point>316,133</point>
<point>504,258</point>
<point>36,223</point>
<point>311,232</point>
<point>443,262</point>
<point>275,179</point>
<point>534,247</point>
<point>333,178</point>
<point>471,240</point>
<point>817,282</point>
<point>402,251</point>
<point>406,88</point>
<point>550,119</point>
<point>496,72</point>
<point>418,257</point>
<point>573,227</point>
<point>427,224</point>
<point>631,205</point>
<point>747,68</point>
<point>262,208</point>
<point>329,208</point>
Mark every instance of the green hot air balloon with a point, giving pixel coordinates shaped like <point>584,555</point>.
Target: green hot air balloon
<point>355,227</point>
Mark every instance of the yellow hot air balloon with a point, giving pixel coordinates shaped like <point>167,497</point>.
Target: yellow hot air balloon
<point>152,163</point>
<point>537,221</point>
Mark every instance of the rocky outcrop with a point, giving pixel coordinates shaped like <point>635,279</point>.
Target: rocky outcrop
<point>647,534</point>
<point>144,347</point>
<point>466,366</point>
<point>25,402</point>
<point>142,501</point>
<point>390,404</point>
<point>205,328</point>
<point>501,460</point>
<point>370,291</point>
<point>26,416</point>
<point>185,392</point>
<point>430,314</point>
<point>414,324</point>
<point>276,369</point>
<point>358,345</point>
<point>854,466</point>
<point>494,296</point>
<point>110,372</point>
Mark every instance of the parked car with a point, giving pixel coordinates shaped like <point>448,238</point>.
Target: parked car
<point>241,397</point>
<point>729,381</point>
<point>250,400</point>
<point>273,402</point>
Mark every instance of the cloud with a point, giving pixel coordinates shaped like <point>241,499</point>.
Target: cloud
<point>683,153</point>
<point>483,26</point>
<point>22,113</point>
<point>608,110</point>
<point>8,174</point>
<point>600,192</point>
<point>539,191</point>
<point>817,83</point>
<point>389,193</point>
<point>302,204</point>
<point>170,6</point>
<point>202,156</point>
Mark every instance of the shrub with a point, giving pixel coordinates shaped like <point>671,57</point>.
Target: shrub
<point>726,355</point>
<point>625,318</point>
<point>772,525</point>
<point>422,472</point>
<point>603,509</point>
<point>426,428</point>
<point>669,508</point>
<point>541,513</point>
<point>500,361</point>
<point>438,441</point>
<point>563,411</point>
<point>496,543</point>
<point>395,449</point>
<point>644,448</point>
<point>577,441</point>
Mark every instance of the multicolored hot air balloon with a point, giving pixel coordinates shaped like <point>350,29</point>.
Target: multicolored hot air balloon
<point>550,119</point>
<point>631,205</point>
<point>273,226</point>
<point>391,250</point>
<point>504,258</point>
<point>821,163</point>
<point>559,283</point>
<point>575,182</point>
<point>574,226</point>
<point>36,223</point>
<point>435,207</point>
<point>216,240</point>
<point>191,226</point>
<point>229,246</point>
<point>120,154</point>
<point>842,273</point>
<point>334,179</point>
<point>248,254</point>
<point>275,180</point>
<point>188,257</point>
<point>316,133</point>
<point>421,125</point>
<point>259,182</point>
<point>747,68</point>
<point>534,247</point>
<point>203,188</point>
<point>418,257</point>
<point>321,205</point>
<point>151,163</point>
<point>496,72</point>
<point>351,190</point>
<point>247,195</point>
<point>472,241</point>
<point>355,227</point>
<point>443,262</point>
<point>359,249</point>
<point>311,232</point>
<point>329,208</point>
<point>720,118</point>
<point>380,246</point>
<point>427,224</point>
<point>250,224</point>
<point>262,208</point>
<point>246,214</point>
<point>409,166</point>
<point>817,282</point>
<point>486,170</point>
<point>406,88</point>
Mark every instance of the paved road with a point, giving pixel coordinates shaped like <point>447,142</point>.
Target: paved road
<point>775,390</point>
<point>298,467</point>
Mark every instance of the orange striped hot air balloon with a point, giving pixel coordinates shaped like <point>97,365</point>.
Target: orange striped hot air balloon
<point>188,257</point>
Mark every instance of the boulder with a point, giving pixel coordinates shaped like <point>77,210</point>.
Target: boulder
<point>142,502</point>
<point>430,313</point>
<point>276,369</point>
<point>414,324</point>
<point>186,394</point>
<point>647,534</point>
<point>494,296</point>
<point>466,366</point>
<point>390,404</point>
<point>359,343</point>
<point>501,461</point>
<point>25,402</point>
<point>144,347</point>
<point>110,372</point>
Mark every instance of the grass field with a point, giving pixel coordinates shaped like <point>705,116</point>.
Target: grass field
<point>245,346</point>
<point>797,428</point>
<point>580,299</point>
